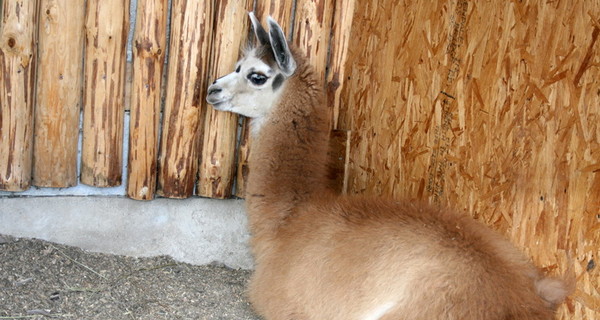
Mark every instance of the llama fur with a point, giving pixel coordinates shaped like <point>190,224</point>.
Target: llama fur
<point>321,255</point>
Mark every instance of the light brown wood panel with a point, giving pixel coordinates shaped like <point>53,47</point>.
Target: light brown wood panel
<point>491,108</point>
<point>107,24</point>
<point>149,47</point>
<point>281,11</point>
<point>190,47</point>
<point>18,36</point>
<point>217,163</point>
<point>58,102</point>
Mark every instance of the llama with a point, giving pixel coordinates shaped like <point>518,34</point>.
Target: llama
<point>320,255</point>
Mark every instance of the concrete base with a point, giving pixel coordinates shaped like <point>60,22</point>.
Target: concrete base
<point>197,231</point>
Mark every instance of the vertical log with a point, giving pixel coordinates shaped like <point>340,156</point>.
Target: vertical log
<point>191,34</point>
<point>18,33</point>
<point>281,11</point>
<point>340,35</point>
<point>107,23</point>
<point>148,60</point>
<point>58,101</point>
<point>218,154</point>
<point>312,30</point>
<point>338,54</point>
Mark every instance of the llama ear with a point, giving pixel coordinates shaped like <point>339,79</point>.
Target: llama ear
<point>282,52</point>
<point>261,35</point>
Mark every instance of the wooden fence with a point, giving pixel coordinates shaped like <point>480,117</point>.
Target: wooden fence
<point>492,107</point>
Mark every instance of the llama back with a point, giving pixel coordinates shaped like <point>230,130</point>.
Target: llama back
<point>362,256</point>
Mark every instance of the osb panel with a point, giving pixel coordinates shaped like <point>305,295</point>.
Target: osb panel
<point>490,107</point>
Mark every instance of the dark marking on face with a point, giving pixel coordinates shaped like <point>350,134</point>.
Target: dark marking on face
<point>277,82</point>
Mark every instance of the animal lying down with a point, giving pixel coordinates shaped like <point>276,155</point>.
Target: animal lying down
<point>324,256</point>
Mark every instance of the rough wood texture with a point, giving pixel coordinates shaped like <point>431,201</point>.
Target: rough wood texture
<point>58,102</point>
<point>281,11</point>
<point>149,46</point>
<point>217,164</point>
<point>312,31</point>
<point>341,31</point>
<point>18,33</point>
<point>489,107</point>
<point>107,23</point>
<point>190,47</point>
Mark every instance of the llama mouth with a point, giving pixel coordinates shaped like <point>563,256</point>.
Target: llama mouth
<point>215,101</point>
<point>220,105</point>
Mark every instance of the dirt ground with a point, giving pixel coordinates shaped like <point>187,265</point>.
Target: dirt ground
<point>41,280</point>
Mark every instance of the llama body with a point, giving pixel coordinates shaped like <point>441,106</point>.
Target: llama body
<point>324,256</point>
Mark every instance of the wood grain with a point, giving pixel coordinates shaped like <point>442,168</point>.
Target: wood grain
<point>149,46</point>
<point>18,36</point>
<point>107,24</point>
<point>312,31</point>
<point>217,163</point>
<point>190,47</point>
<point>491,108</point>
<point>58,102</point>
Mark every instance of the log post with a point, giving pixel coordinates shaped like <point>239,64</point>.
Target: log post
<point>18,33</point>
<point>107,24</point>
<point>312,30</point>
<point>191,39</point>
<point>338,53</point>
<point>336,75</point>
<point>281,11</point>
<point>148,60</point>
<point>58,102</point>
<point>218,154</point>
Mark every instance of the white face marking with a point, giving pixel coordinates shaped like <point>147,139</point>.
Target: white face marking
<point>379,311</point>
<point>247,91</point>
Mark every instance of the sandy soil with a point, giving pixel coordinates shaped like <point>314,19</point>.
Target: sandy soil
<point>41,280</point>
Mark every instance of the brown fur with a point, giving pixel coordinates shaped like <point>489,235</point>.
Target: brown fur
<point>324,256</point>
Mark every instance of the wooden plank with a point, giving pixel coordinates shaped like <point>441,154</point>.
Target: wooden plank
<point>18,36</point>
<point>281,11</point>
<point>482,106</point>
<point>59,82</point>
<point>217,164</point>
<point>339,148</point>
<point>107,24</point>
<point>336,75</point>
<point>149,46</point>
<point>312,31</point>
<point>190,47</point>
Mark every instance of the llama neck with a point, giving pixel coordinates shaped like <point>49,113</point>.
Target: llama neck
<point>289,153</point>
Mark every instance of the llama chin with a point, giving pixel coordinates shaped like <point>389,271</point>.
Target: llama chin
<point>321,255</point>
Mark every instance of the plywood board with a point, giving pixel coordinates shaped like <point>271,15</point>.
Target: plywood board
<point>491,108</point>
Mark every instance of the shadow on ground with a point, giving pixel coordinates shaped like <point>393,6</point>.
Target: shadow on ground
<point>41,280</point>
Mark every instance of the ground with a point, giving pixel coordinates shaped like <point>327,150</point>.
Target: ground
<point>41,280</point>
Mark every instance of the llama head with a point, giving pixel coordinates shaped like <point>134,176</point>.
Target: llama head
<point>259,77</point>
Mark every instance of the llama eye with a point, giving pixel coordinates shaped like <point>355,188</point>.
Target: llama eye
<point>257,78</point>
<point>238,69</point>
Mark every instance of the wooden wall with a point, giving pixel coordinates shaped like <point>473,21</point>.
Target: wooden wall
<point>491,107</point>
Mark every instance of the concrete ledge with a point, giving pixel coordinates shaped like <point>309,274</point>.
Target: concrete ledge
<point>197,231</point>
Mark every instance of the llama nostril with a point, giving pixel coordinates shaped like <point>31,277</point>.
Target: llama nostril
<point>213,90</point>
